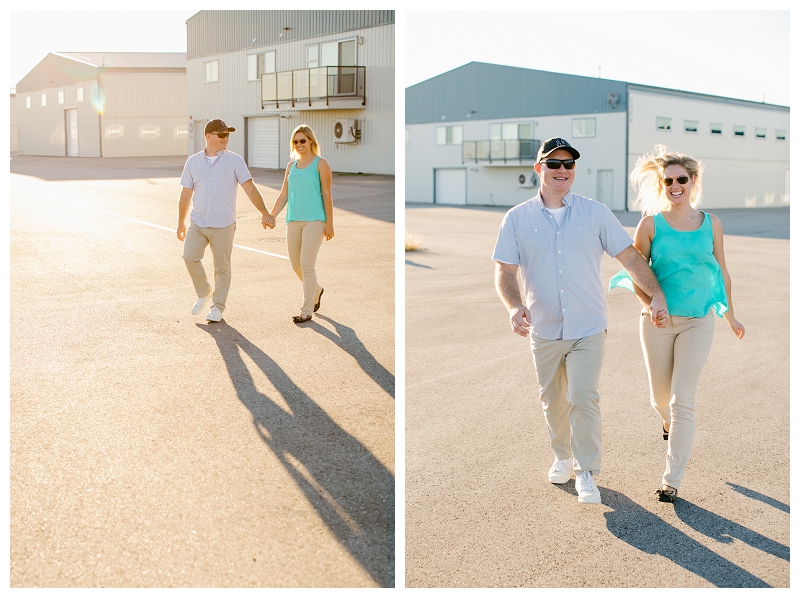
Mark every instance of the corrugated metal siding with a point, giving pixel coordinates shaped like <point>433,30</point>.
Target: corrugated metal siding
<point>55,71</point>
<point>233,98</point>
<point>217,31</point>
<point>131,59</point>
<point>493,91</point>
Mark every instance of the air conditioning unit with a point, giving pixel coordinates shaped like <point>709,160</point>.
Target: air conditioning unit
<point>344,131</point>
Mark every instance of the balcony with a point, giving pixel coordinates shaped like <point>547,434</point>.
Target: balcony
<point>499,151</point>
<point>320,88</point>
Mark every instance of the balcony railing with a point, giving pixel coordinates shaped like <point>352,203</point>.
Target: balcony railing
<point>313,85</point>
<point>499,150</point>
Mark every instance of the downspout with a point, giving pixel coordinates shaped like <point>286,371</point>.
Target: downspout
<point>627,141</point>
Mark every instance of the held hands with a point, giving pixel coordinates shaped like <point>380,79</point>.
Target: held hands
<point>328,231</point>
<point>268,220</point>
<point>659,315</point>
<point>520,319</point>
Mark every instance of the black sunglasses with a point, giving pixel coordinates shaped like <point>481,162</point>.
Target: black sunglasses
<point>681,179</point>
<point>222,135</point>
<point>300,141</point>
<point>554,164</point>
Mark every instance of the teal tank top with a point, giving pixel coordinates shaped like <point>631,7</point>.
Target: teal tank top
<point>686,269</point>
<point>305,194</point>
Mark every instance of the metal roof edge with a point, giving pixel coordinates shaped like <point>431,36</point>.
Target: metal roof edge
<point>706,96</point>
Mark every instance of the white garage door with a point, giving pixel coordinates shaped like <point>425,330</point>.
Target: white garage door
<point>451,186</point>
<point>262,142</point>
<point>72,131</point>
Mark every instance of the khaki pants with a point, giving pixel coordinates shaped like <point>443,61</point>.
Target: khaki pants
<point>303,239</point>
<point>194,246</point>
<point>675,357</point>
<point>569,373</point>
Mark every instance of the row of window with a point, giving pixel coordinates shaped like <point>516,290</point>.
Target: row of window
<point>339,53</point>
<point>59,95</point>
<point>692,126</point>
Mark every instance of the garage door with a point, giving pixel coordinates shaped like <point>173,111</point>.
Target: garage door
<point>451,186</point>
<point>72,131</point>
<point>262,142</point>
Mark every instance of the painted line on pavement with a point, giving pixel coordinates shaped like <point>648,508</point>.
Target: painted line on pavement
<point>158,226</point>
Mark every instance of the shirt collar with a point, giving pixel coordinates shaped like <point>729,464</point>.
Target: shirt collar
<point>567,199</point>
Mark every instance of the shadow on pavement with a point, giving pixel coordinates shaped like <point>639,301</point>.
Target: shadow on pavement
<point>649,533</point>
<point>351,491</point>
<point>348,340</point>
<point>758,496</point>
<point>416,265</point>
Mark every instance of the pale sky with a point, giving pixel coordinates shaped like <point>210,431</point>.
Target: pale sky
<point>36,33</point>
<point>737,54</point>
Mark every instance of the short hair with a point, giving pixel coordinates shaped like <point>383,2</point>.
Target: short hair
<point>305,130</point>
<point>649,172</point>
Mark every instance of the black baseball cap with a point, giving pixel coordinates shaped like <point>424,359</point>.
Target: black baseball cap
<point>217,126</point>
<point>553,144</point>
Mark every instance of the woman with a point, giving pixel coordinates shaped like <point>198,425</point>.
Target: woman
<point>684,246</point>
<point>309,216</point>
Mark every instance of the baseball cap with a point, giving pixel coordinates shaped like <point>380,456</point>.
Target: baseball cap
<point>217,126</point>
<point>553,144</point>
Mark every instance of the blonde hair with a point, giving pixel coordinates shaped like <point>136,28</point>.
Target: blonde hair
<point>649,171</point>
<point>305,130</point>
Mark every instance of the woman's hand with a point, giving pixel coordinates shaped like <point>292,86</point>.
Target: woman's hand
<point>328,231</point>
<point>736,326</point>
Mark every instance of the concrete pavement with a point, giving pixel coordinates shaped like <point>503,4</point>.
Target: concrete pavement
<point>152,449</point>
<point>480,511</point>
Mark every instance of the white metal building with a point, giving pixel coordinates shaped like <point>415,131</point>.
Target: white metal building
<point>265,72</point>
<point>14,141</point>
<point>114,104</point>
<point>472,135</point>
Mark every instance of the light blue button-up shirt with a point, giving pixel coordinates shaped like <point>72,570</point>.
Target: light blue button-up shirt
<point>214,184</point>
<point>560,265</point>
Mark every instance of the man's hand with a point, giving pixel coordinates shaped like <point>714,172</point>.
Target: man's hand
<point>267,221</point>
<point>520,319</point>
<point>181,232</point>
<point>658,311</point>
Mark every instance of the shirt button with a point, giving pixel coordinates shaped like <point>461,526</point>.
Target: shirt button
<point>559,271</point>
<point>559,251</point>
<point>558,233</point>
<point>562,290</point>
<point>563,310</point>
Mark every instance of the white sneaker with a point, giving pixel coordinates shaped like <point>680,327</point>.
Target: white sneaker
<point>561,471</point>
<point>214,315</point>
<point>201,303</point>
<point>586,488</point>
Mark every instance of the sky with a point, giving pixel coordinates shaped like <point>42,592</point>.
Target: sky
<point>36,33</point>
<point>737,54</point>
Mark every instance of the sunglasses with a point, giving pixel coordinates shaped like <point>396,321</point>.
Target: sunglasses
<point>554,164</point>
<point>299,141</point>
<point>222,135</point>
<point>681,180</point>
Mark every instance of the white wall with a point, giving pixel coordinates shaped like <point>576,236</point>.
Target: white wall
<point>740,171</point>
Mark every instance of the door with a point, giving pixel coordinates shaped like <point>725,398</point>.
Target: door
<point>199,136</point>
<point>262,142</point>
<point>72,131</point>
<point>605,188</point>
<point>450,186</point>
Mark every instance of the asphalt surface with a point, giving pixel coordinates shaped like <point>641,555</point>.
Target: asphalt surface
<point>480,511</point>
<point>152,449</point>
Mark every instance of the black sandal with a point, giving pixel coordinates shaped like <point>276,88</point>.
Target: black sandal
<point>664,495</point>
<point>666,433</point>
<point>300,319</point>
<point>319,299</point>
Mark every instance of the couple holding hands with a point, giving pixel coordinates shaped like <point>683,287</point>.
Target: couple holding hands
<point>208,184</point>
<point>676,267</point>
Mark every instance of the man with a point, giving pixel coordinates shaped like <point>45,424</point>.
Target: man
<point>556,240</point>
<point>209,182</point>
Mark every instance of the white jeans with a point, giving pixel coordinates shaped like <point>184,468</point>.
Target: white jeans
<point>303,239</point>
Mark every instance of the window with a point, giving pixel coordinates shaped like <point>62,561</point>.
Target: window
<point>258,64</point>
<point>312,56</point>
<point>44,99</point>
<point>780,134</point>
<point>738,131</point>
<point>80,94</point>
<point>60,97</point>
<point>690,126</point>
<point>338,53</point>
<point>716,128</point>
<point>28,101</point>
<point>663,123</point>
<point>453,135</point>
<point>761,132</point>
<point>212,71</point>
<point>505,131</point>
<point>583,127</point>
